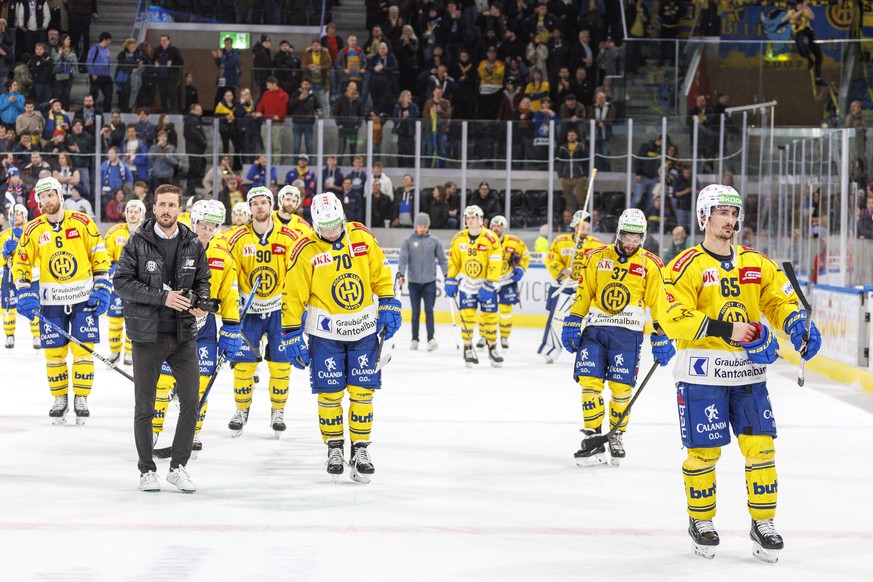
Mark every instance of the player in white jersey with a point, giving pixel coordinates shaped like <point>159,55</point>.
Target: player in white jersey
<point>716,296</point>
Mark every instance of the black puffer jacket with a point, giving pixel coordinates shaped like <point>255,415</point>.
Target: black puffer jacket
<point>139,281</point>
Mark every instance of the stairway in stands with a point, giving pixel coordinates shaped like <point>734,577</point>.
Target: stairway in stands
<point>351,18</point>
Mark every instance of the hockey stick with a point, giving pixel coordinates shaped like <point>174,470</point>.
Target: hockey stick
<point>598,440</point>
<point>590,189</point>
<point>792,278</point>
<point>454,323</point>
<point>381,362</point>
<point>167,452</point>
<point>82,345</point>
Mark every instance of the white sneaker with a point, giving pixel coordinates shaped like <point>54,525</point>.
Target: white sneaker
<point>414,345</point>
<point>180,478</point>
<point>149,482</point>
<point>432,345</point>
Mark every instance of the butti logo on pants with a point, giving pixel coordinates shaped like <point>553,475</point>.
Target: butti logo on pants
<point>698,367</point>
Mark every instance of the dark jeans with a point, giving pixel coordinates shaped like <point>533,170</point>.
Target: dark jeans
<point>169,88</point>
<point>147,359</point>
<point>417,292</point>
<point>103,84</point>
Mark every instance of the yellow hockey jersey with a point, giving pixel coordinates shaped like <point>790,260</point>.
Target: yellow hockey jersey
<point>296,223</point>
<point>474,260</point>
<point>614,289</point>
<point>265,256</point>
<point>116,237</point>
<point>699,287</point>
<point>565,253</point>
<point>512,247</point>
<point>72,254</point>
<point>337,281</point>
<point>222,280</point>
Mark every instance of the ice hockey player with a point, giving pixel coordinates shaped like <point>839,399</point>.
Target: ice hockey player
<point>334,275</point>
<point>73,292</point>
<point>475,261</point>
<point>9,242</point>
<point>261,248</point>
<point>516,260</point>
<point>206,217</point>
<point>241,214</point>
<point>116,237</point>
<point>716,296</point>
<point>564,263</point>
<point>616,285</point>
<point>289,201</point>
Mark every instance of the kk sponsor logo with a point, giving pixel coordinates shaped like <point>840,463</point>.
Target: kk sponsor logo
<point>710,277</point>
<point>248,250</point>
<point>321,260</point>
<point>44,238</point>
<point>604,265</point>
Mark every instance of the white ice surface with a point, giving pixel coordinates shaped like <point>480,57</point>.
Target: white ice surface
<point>475,480</point>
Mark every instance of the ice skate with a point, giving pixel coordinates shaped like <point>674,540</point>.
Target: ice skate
<point>704,538</point>
<point>196,447</point>
<point>335,459</point>
<point>494,356</point>
<point>470,357</point>
<point>37,343</point>
<point>360,465</point>
<point>149,483</point>
<point>277,420</point>
<point>155,437</point>
<point>181,479</point>
<point>128,360</point>
<point>504,343</point>
<point>239,420</point>
<point>414,345</point>
<point>59,410</point>
<point>588,456</point>
<point>766,543</point>
<point>432,345</point>
<point>481,343</point>
<point>616,449</point>
<point>80,406</point>
<point>10,342</point>
<point>113,359</point>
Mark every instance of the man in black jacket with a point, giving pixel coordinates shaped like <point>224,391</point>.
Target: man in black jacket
<point>161,261</point>
<point>195,147</point>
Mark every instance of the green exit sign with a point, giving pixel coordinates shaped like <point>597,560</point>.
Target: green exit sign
<point>240,39</point>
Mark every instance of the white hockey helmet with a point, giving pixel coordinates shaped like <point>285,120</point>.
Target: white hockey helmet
<point>717,195</point>
<point>209,210</point>
<point>327,212</point>
<point>260,191</point>
<point>579,216</point>
<point>498,220</point>
<point>243,208</point>
<point>474,210</point>
<point>17,209</point>
<point>631,222</point>
<point>46,184</point>
<point>135,204</point>
<point>293,192</point>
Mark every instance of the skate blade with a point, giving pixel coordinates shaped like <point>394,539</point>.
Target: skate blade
<point>194,455</point>
<point>549,360</point>
<point>707,552</point>
<point>277,434</point>
<point>80,420</point>
<point>468,364</point>
<point>59,420</point>
<point>359,477</point>
<point>496,364</point>
<point>615,461</point>
<point>235,433</point>
<point>769,556</point>
<point>597,460</point>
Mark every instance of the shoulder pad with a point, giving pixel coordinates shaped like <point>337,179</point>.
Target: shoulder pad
<point>594,239</point>
<point>235,236</point>
<point>593,250</point>
<point>116,227</point>
<point>680,261</point>
<point>28,228</point>
<point>654,258</point>
<point>287,231</point>
<point>299,247</point>
<point>512,238</point>
<point>83,218</point>
<point>457,235</point>
<point>563,237</point>
<point>489,236</point>
<point>359,226</point>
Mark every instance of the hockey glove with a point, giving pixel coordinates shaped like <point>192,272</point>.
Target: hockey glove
<point>571,333</point>
<point>763,349</point>
<point>9,247</point>
<point>389,316</point>
<point>451,286</point>
<point>229,340</point>
<point>487,292</point>
<point>662,348</point>
<point>99,298</point>
<point>295,347</point>
<point>517,274</point>
<point>28,302</point>
<point>795,326</point>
